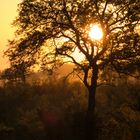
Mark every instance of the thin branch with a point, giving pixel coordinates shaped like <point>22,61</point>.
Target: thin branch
<point>117,20</point>
<point>68,75</point>
<point>70,38</point>
<point>77,42</point>
<point>79,77</point>
<point>106,84</point>
<point>86,77</point>
<point>119,27</point>
<point>97,8</point>
<point>117,11</point>
<point>85,44</point>
<point>105,8</point>
<point>72,58</point>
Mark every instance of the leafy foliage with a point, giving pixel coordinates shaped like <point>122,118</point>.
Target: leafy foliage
<point>48,31</point>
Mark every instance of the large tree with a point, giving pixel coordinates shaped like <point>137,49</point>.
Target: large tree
<point>49,32</point>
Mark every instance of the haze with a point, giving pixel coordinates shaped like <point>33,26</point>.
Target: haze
<point>8,11</point>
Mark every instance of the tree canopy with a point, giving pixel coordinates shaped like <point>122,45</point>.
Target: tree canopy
<point>49,31</point>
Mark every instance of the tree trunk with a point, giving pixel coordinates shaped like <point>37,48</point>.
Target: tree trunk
<point>92,91</point>
<point>90,117</point>
<point>91,100</point>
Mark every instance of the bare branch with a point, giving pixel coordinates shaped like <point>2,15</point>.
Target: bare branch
<point>104,9</point>
<point>106,84</point>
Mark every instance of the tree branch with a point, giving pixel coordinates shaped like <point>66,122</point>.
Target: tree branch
<point>105,8</point>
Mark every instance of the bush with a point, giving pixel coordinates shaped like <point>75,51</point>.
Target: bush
<point>55,110</point>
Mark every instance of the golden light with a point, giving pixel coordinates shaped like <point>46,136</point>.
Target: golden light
<point>95,32</point>
<point>78,56</point>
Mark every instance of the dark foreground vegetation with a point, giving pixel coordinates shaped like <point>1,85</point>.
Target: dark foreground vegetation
<point>55,110</point>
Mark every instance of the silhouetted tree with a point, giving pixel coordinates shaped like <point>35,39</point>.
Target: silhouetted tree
<point>49,31</point>
<point>16,72</point>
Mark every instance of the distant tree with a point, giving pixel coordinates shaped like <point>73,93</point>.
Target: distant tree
<point>16,72</point>
<point>49,31</point>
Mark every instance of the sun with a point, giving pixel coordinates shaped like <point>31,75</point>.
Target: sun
<point>95,32</point>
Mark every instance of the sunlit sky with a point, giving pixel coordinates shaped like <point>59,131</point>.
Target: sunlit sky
<point>8,12</point>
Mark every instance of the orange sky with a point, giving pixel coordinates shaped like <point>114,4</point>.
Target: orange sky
<point>8,11</point>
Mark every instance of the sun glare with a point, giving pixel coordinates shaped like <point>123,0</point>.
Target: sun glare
<point>95,32</point>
